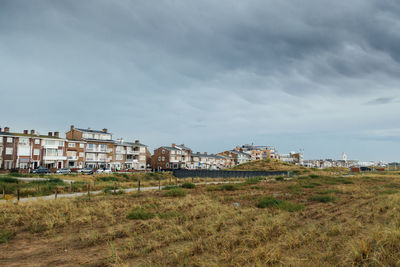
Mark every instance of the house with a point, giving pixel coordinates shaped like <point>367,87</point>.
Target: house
<point>171,157</point>
<point>75,154</point>
<point>258,152</point>
<point>128,155</point>
<point>212,161</point>
<point>236,157</point>
<point>99,146</point>
<point>31,150</point>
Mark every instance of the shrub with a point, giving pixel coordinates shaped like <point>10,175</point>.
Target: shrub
<point>188,185</point>
<point>253,180</point>
<point>107,179</point>
<point>175,192</point>
<point>279,178</point>
<point>268,201</point>
<point>323,199</point>
<point>140,214</point>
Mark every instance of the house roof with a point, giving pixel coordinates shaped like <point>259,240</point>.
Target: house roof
<point>183,147</point>
<point>169,148</point>
<point>90,131</point>
<point>129,144</point>
<point>29,135</point>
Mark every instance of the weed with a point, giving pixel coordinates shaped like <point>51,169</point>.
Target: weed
<point>6,235</point>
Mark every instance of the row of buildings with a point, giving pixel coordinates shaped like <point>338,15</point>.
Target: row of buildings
<point>80,148</point>
<point>97,149</point>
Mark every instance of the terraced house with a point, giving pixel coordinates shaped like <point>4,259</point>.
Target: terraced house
<point>129,155</point>
<point>31,150</point>
<point>99,146</point>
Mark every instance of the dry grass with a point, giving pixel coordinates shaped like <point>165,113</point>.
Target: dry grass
<point>214,227</point>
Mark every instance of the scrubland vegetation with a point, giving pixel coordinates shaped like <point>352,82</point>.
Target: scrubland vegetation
<point>317,218</point>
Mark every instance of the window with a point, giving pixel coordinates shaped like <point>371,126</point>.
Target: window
<point>71,144</point>
<point>167,165</point>
<point>9,140</point>
<point>81,154</point>
<point>23,141</point>
<point>36,152</point>
<point>118,157</point>
<point>163,151</point>
<point>60,152</point>
<point>82,145</point>
<point>163,159</point>
<point>159,158</point>
<point>37,141</point>
<point>9,150</point>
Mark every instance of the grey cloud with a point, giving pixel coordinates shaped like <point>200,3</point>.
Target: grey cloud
<point>197,70</point>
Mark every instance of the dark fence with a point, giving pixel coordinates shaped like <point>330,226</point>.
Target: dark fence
<point>224,174</point>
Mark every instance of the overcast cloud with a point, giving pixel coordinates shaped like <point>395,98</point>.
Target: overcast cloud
<point>319,75</point>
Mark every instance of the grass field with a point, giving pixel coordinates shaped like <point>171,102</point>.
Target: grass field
<point>315,219</point>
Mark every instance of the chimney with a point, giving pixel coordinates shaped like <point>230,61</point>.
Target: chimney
<point>173,145</point>
<point>105,130</point>
<point>32,131</point>
<point>205,153</point>
<point>25,131</point>
<point>56,134</point>
<point>182,144</point>
<point>198,153</point>
<point>50,134</point>
<point>137,142</point>
<point>72,127</point>
<point>6,129</point>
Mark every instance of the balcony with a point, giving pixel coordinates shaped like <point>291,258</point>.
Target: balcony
<point>132,152</point>
<point>48,158</point>
<point>98,150</point>
<point>72,158</point>
<point>96,159</point>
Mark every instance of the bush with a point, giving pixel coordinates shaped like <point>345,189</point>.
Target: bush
<point>253,180</point>
<point>228,187</point>
<point>268,201</point>
<point>323,199</point>
<point>175,192</point>
<point>279,178</point>
<point>188,185</point>
<point>107,179</point>
<point>140,214</point>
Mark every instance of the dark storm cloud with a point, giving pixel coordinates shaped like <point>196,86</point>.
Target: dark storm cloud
<point>168,70</point>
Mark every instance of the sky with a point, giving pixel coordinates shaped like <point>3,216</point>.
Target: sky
<point>317,75</point>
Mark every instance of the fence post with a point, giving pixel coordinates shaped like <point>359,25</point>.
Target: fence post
<point>138,185</point>
<point>114,188</point>
<point>4,191</point>
<point>88,190</point>
<point>55,195</point>
<point>192,180</point>
<point>18,194</point>
<point>37,188</point>
<point>176,181</point>
<point>159,184</point>
<point>70,186</point>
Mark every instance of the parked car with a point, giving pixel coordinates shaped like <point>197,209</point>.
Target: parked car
<point>103,171</point>
<point>85,171</point>
<point>41,171</point>
<point>64,171</point>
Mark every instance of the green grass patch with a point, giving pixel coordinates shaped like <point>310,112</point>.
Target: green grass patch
<point>322,198</point>
<point>294,189</point>
<point>388,192</point>
<point>8,180</point>
<point>176,192</point>
<point>188,185</point>
<point>169,187</point>
<point>270,202</point>
<point>329,191</point>
<point>140,214</point>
